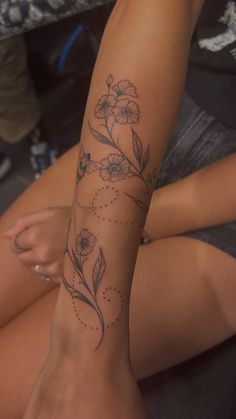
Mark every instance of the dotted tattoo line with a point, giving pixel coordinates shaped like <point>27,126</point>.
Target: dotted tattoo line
<point>108,299</point>
<point>94,208</point>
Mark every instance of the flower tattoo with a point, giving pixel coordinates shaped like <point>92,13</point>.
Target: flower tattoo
<point>85,243</point>
<point>116,108</point>
<point>126,112</point>
<point>86,165</point>
<point>125,87</point>
<point>105,106</point>
<point>119,109</point>
<point>85,285</point>
<point>114,168</point>
<point>110,80</point>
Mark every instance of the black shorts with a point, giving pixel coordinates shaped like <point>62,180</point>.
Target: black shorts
<point>198,140</point>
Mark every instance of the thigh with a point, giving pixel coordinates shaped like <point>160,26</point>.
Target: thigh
<point>182,302</point>
<point>183,297</point>
<point>23,350</point>
<point>19,287</point>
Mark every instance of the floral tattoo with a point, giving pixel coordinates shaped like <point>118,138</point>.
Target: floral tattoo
<point>118,107</point>
<point>85,243</point>
<point>84,288</point>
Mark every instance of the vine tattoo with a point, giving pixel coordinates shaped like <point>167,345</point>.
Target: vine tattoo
<point>86,290</point>
<point>117,107</point>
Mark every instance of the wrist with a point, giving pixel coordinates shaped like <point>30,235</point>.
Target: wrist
<point>101,371</point>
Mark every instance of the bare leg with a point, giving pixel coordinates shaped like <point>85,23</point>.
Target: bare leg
<point>182,303</point>
<point>18,286</point>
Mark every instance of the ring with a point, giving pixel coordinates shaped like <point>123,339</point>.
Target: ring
<point>44,278</point>
<point>36,269</point>
<point>17,246</point>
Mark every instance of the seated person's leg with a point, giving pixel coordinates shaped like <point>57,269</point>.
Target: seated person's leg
<point>18,286</point>
<point>182,303</point>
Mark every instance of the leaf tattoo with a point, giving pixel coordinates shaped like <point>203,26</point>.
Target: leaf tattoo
<point>137,148</point>
<point>139,203</point>
<point>100,137</point>
<point>98,271</point>
<point>75,293</point>
<point>77,263</point>
<point>85,243</point>
<point>145,159</point>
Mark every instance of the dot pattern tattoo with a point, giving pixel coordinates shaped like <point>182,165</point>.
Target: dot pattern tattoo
<point>108,298</point>
<point>101,200</point>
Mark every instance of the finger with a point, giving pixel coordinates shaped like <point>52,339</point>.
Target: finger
<point>16,246</point>
<point>26,221</point>
<point>54,270</point>
<point>37,269</point>
<point>47,272</point>
<point>30,260</point>
<point>41,256</point>
<point>51,270</point>
<point>22,242</point>
<point>36,256</point>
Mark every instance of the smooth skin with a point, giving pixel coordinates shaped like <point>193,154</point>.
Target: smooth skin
<point>194,284</point>
<point>201,266</point>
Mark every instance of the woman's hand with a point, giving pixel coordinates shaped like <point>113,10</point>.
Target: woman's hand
<point>39,239</point>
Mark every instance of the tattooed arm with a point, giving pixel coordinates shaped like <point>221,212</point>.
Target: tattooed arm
<point>134,95</point>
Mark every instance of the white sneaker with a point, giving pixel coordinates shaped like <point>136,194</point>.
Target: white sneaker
<point>42,157</point>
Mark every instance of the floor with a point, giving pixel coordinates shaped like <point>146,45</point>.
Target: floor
<point>204,388</point>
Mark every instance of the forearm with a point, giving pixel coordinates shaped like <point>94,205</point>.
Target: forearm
<point>203,199</point>
<point>123,140</point>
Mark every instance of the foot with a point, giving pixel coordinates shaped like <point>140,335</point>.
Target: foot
<point>5,165</point>
<point>42,156</point>
<point>74,392</point>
